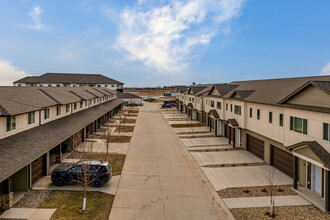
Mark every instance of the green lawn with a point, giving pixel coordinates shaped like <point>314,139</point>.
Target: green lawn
<point>68,205</point>
<point>117,139</point>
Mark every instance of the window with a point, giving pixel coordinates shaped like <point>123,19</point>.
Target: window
<point>270,117</point>
<point>67,108</point>
<point>49,85</point>
<point>58,85</point>
<point>31,117</point>
<point>281,120</point>
<point>218,105</point>
<point>298,125</point>
<point>106,86</point>
<point>212,103</point>
<point>326,131</point>
<point>74,85</point>
<point>250,112</point>
<point>98,85</point>
<point>226,106</point>
<point>75,106</point>
<point>41,85</point>
<point>193,100</point>
<point>11,123</point>
<point>237,110</point>
<point>90,102</point>
<point>58,110</point>
<point>81,104</point>
<point>231,107</point>
<point>258,114</point>
<point>46,113</point>
<point>86,103</point>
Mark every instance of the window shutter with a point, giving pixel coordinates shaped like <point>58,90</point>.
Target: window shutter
<point>291,123</point>
<point>304,126</point>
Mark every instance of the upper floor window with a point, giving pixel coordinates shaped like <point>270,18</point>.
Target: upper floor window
<point>218,105</point>
<point>75,106</point>
<point>81,104</point>
<point>237,110</point>
<point>281,120</point>
<point>226,106</point>
<point>86,103</point>
<point>58,110</point>
<point>46,113</point>
<point>298,124</point>
<point>31,117</point>
<point>250,112</point>
<point>67,108</point>
<point>270,117</point>
<point>11,123</point>
<point>258,114</point>
<point>212,103</point>
<point>231,107</point>
<point>326,131</point>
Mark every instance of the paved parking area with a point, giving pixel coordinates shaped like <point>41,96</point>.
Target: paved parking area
<point>99,146</point>
<point>230,177</point>
<point>183,122</point>
<point>225,157</point>
<point>159,181</point>
<point>28,214</point>
<point>45,183</point>
<point>193,129</point>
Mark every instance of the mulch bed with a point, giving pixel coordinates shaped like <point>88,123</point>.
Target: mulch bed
<point>236,165</point>
<point>283,213</point>
<point>186,125</point>
<point>257,191</point>
<point>32,199</point>
<point>202,136</point>
<point>215,150</point>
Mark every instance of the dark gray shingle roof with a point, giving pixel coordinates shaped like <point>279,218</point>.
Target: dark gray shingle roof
<point>69,78</point>
<point>18,150</point>
<point>127,95</point>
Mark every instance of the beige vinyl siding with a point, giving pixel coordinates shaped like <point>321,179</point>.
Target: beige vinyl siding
<point>237,96</point>
<point>312,96</point>
<point>215,92</point>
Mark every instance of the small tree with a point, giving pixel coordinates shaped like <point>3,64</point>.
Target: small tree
<point>107,139</point>
<point>82,176</point>
<point>271,182</point>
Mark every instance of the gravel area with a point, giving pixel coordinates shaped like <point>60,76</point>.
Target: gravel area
<point>283,190</point>
<point>288,212</point>
<point>32,199</point>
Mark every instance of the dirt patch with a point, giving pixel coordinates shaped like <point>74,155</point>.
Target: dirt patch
<point>68,205</point>
<point>128,120</point>
<point>32,199</point>
<point>196,136</point>
<point>236,165</point>
<point>125,129</point>
<point>258,191</point>
<point>283,213</point>
<point>116,160</point>
<point>186,125</point>
<point>118,139</point>
<point>133,111</point>
<point>215,150</point>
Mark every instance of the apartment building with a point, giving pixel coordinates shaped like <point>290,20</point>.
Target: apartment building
<point>69,80</point>
<point>38,125</point>
<point>285,122</point>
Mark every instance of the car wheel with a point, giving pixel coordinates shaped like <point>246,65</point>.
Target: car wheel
<point>60,181</point>
<point>98,183</point>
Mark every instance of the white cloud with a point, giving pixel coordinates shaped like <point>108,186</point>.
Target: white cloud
<point>326,70</point>
<point>9,73</point>
<point>163,37</point>
<point>35,15</point>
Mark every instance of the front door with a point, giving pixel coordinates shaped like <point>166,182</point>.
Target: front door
<point>316,178</point>
<point>238,139</point>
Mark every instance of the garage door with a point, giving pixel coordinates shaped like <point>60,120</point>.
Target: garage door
<point>282,160</point>
<point>37,169</point>
<point>255,146</point>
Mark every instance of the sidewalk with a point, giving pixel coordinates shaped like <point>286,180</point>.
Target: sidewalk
<point>158,181</point>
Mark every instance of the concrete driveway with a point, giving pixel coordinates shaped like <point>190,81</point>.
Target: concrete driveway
<point>225,157</point>
<point>159,181</point>
<point>231,177</point>
<point>190,142</point>
<point>45,183</point>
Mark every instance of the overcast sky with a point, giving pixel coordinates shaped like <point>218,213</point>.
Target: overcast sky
<point>158,42</point>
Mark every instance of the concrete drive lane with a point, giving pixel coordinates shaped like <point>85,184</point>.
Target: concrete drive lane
<point>158,180</point>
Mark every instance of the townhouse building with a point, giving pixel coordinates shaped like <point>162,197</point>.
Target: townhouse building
<point>285,122</point>
<point>69,80</point>
<point>39,125</point>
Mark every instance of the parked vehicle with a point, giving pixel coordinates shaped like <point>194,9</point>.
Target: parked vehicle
<point>132,104</point>
<point>99,172</point>
<point>146,98</point>
<point>151,100</point>
<point>172,104</point>
<point>166,106</point>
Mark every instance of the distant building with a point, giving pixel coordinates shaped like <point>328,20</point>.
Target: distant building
<point>170,94</point>
<point>130,98</point>
<point>69,80</point>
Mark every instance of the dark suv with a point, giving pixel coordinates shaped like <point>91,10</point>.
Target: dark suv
<point>98,172</point>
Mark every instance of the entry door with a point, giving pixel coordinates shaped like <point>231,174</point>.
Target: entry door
<point>238,137</point>
<point>316,178</point>
<point>193,114</point>
<point>219,127</point>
